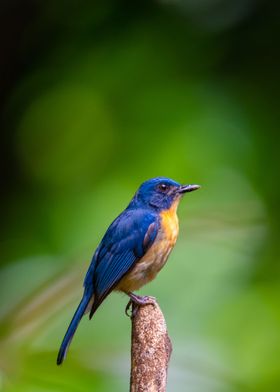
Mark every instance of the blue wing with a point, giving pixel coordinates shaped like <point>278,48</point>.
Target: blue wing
<point>126,241</point>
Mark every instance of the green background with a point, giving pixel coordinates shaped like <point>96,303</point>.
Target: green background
<point>97,97</point>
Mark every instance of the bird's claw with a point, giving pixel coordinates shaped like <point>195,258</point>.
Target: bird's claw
<point>127,308</point>
<point>136,301</point>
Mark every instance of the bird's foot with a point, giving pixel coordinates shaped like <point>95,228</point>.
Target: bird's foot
<point>136,301</point>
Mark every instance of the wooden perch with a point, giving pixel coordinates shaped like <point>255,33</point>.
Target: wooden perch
<point>150,349</point>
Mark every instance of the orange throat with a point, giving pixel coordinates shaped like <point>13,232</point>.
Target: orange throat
<point>169,222</point>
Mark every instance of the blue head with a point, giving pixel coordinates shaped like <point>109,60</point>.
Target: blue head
<point>160,193</point>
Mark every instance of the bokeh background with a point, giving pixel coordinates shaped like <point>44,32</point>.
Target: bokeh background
<point>96,97</point>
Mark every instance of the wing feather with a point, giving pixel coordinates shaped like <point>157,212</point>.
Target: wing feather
<point>125,242</point>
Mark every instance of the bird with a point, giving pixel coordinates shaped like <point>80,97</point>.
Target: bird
<point>133,250</point>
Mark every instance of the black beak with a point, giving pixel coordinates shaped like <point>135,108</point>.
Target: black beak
<point>188,188</point>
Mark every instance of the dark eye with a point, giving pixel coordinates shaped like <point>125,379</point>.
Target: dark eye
<point>163,187</point>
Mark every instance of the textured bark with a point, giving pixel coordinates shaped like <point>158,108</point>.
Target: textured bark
<point>150,350</point>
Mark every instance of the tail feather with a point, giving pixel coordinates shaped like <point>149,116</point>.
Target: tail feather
<point>82,308</point>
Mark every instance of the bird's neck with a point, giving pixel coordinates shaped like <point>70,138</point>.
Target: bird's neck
<point>172,210</point>
<point>169,221</point>
<point>138,203</point>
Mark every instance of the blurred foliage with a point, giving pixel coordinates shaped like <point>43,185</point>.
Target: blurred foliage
<point>97,97</point>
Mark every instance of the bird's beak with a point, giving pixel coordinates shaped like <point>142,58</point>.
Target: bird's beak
<point>188,188</point>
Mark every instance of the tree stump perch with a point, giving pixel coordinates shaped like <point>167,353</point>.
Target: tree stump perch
<point>150,349</point>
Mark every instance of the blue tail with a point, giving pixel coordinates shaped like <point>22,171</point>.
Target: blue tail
<point>72,327</point>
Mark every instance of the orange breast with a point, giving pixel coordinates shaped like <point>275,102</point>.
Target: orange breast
<point>151,263</point>
<point>169,223</point>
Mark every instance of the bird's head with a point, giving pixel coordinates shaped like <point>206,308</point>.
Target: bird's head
<point>161,193</point>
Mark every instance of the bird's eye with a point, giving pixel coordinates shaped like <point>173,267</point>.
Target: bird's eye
<point>163,187</point>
